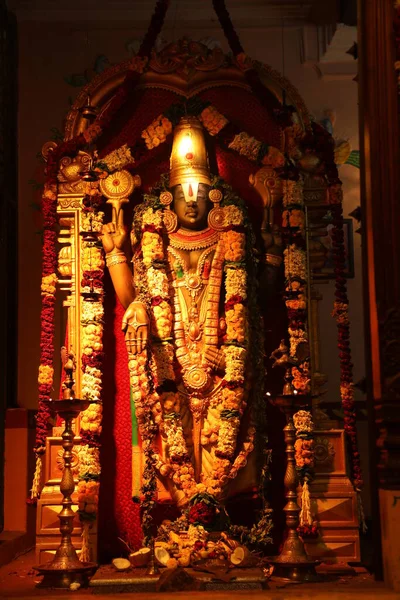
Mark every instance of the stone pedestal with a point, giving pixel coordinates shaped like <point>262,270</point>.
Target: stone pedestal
<point>333,502</point>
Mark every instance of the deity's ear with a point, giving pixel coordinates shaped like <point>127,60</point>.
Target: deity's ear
<point>252,179</point>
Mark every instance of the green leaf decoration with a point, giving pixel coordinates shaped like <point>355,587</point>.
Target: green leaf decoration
<point>229,414</point>
<point>354,159</point>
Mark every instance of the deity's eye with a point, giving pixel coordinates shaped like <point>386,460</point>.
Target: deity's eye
<point>202,193</point>
<point>178,193</point>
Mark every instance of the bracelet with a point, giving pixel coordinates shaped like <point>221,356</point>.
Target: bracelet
<point>115,259</point>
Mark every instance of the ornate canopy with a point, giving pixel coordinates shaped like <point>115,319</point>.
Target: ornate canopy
<point>185,68</point>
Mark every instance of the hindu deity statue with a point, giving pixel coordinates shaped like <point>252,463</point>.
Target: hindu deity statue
<point>191,326</point>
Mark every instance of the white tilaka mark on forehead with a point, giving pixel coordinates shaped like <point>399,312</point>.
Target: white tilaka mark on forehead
<point>190,190</point>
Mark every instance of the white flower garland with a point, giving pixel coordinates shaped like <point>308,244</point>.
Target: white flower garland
<point>92,313</point>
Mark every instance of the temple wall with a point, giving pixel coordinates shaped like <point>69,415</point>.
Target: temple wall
<point>51,52</point>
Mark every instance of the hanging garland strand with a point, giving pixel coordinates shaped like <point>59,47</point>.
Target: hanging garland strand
<point>139,64</point>
<point>48,292</point>
<point>266,97</point>
<point>227,26</point>
<point>324,144</point>
<point>156,24</point>
<point>340,313</point>
<point>92,313</point>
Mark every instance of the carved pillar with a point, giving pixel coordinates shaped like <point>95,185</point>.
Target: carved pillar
<point>69,206</point>
<point>380,193</point>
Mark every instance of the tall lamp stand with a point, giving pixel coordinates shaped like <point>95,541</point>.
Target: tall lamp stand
<point>66,568</point>
<point>293,562</point>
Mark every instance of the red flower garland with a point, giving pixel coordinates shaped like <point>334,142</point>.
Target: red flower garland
<point>343,328</point>
<point>49,265</point>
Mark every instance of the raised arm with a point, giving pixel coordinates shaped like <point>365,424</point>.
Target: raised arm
<point>135,323</point>
<point>114,239</point>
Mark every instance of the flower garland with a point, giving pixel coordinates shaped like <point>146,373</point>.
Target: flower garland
<point>153,374</point>
<point>162,363</point>
<point>304,456</point>
<point>295,261</point>
<point>216,124</point>
<point>163,380</point>
<point>92,312</point>
<point>48,292</point>
<point>237,335</point>
<point>341,315</point>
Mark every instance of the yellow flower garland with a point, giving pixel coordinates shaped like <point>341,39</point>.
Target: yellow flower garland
<point>212,120</point>
<point>156,133</point>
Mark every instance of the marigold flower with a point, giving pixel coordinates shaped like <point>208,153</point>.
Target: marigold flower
<point>234,244</point>
<point>48,286</point>
<point>46,373</point>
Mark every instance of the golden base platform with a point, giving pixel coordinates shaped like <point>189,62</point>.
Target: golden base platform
<point>108,581</point>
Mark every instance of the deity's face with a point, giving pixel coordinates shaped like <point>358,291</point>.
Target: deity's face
<point>192,211</point>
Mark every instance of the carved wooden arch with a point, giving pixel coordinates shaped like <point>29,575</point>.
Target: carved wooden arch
<point>185,68</point>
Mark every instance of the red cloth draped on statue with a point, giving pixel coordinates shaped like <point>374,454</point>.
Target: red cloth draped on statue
<point>118,515</point>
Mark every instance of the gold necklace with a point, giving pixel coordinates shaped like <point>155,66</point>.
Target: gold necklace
<point>196,377</point>
<point>193,240</point>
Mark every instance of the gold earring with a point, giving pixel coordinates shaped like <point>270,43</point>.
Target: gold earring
<point>216,215</point>
<point>166,198</point>
<point>170,221</point>
<point>169,217</point>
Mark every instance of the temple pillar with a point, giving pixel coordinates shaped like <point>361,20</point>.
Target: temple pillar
<point>380,187</point>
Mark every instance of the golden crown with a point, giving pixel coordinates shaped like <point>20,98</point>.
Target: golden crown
<point>189,161</point>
